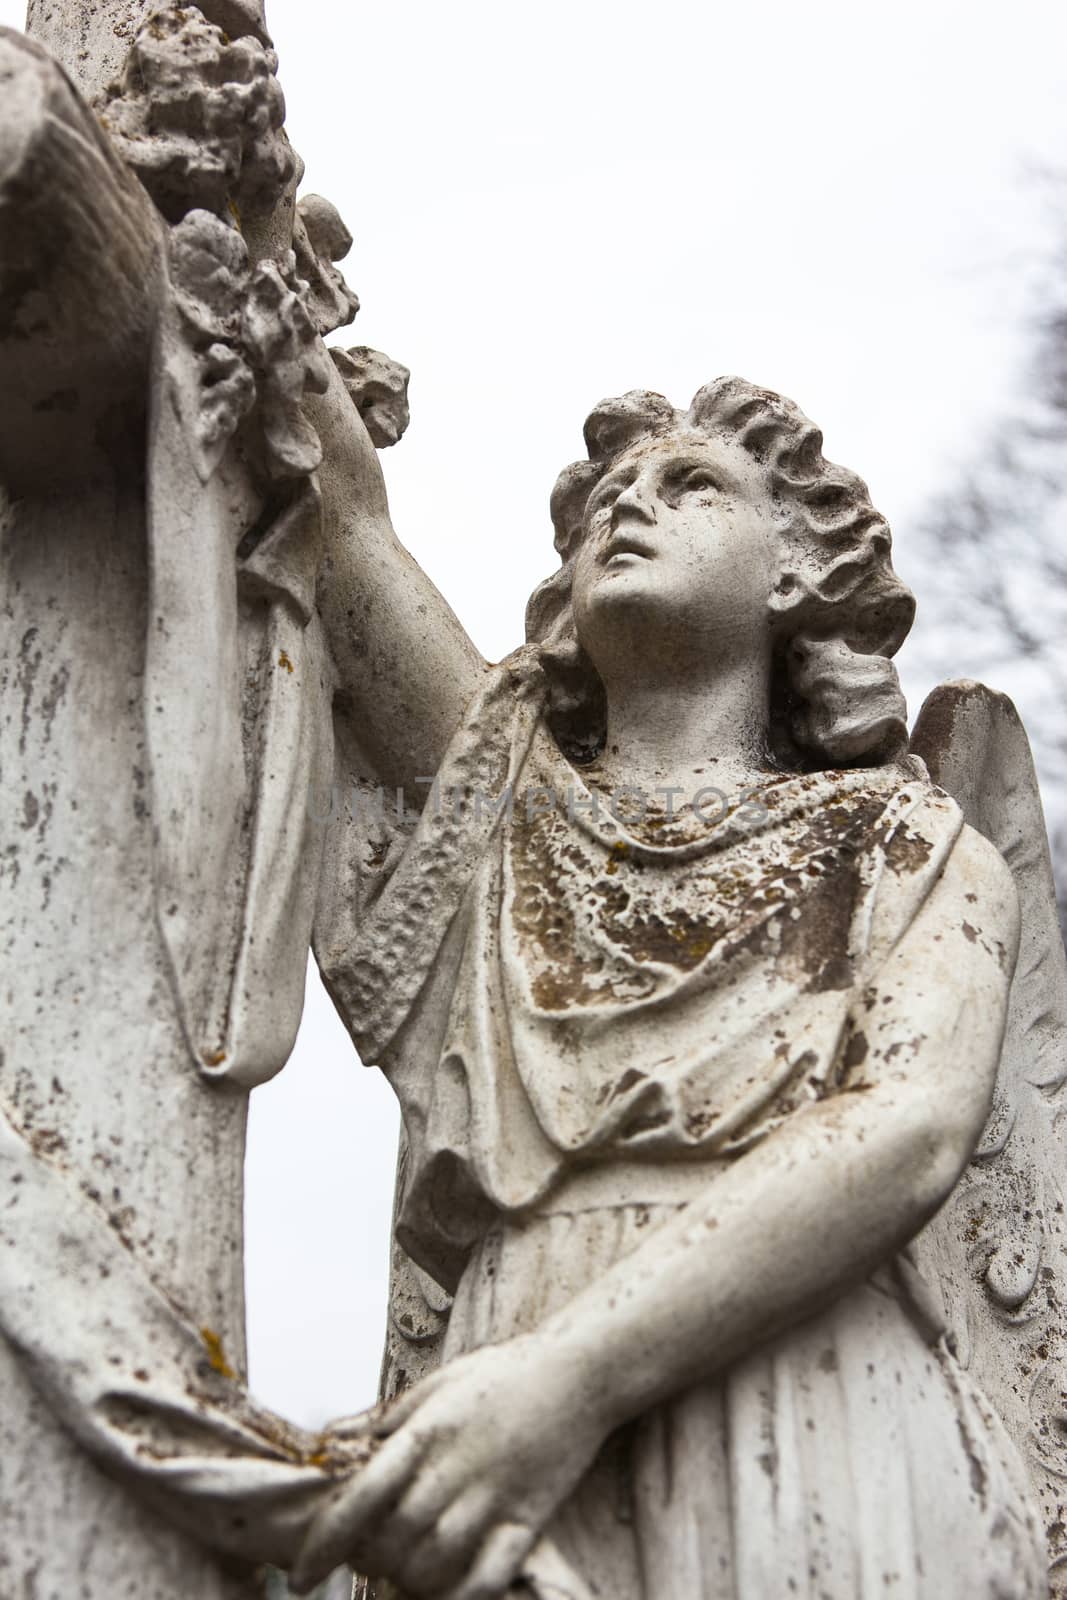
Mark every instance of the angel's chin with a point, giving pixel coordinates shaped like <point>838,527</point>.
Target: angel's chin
<point>625,574</point>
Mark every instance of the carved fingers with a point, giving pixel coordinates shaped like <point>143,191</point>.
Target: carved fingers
<point>394,1413</point>
<point>444,1555</point>
<point>411,1515</point>
<point>498,1563</point>
<point>350,1525</point>
<point>470,1466</point>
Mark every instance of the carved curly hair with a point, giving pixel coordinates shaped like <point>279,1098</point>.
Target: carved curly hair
<point>838,608</point>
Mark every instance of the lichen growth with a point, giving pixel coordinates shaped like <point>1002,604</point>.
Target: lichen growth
<point>215,1353</point>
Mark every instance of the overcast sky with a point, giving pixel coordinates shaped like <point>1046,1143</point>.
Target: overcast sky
<point>559,202</point>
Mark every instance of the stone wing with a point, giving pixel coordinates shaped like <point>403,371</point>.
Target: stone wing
<point>998,1249</point>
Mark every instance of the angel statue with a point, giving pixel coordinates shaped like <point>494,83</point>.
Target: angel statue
<point>727,1026</point>
<point>696,992</point>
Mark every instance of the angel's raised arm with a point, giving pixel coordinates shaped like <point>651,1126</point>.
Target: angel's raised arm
<point>405,666</point>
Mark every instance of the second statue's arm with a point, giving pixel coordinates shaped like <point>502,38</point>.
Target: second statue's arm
<point>147,1395</point>
<point>405,667</point>
<point>481,1454</point>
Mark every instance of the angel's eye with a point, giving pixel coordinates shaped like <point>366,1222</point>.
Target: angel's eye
<point>598,506</point>
<point>689,480</point>
<point>698,479</point>
<point>606,493</point>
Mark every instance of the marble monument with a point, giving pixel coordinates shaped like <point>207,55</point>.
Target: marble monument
<point>726,1013</point>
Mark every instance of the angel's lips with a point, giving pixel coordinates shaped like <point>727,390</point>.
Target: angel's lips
<point>624,545</point>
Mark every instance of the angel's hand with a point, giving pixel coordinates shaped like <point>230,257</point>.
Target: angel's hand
<point>471,1465</point>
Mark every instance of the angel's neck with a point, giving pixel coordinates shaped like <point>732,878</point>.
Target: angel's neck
<point>689,734</point>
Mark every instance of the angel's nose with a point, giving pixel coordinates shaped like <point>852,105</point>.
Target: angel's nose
<point>637,500</point>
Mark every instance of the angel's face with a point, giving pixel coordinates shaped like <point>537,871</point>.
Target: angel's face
<point>679,553</point>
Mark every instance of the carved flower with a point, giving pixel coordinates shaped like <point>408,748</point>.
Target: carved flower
<point>378,387</point>
<point>281,342</point>
<point>319,239</point>
<point>199,117</point>
<point>255,344</point>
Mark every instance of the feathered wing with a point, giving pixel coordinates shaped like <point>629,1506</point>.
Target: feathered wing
<point>998,1249</point>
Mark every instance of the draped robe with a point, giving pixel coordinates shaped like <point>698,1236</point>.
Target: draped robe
<point>586,1024</point>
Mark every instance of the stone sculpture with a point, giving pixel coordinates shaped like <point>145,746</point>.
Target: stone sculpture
<point>696,991</point>
<point>379,388</point>
<point>167,708</point>
<point>727,1025</point>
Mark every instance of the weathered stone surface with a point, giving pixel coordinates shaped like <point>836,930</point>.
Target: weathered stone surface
<point>378,387</point>
<point>75,318</point>
<point>713,1270</point>
<point>199,117</point>
<point>320,238</point>
<point>998,1251</point>
<point>92,38</point>
<point>160,540</point>
<point>680,1088</point>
